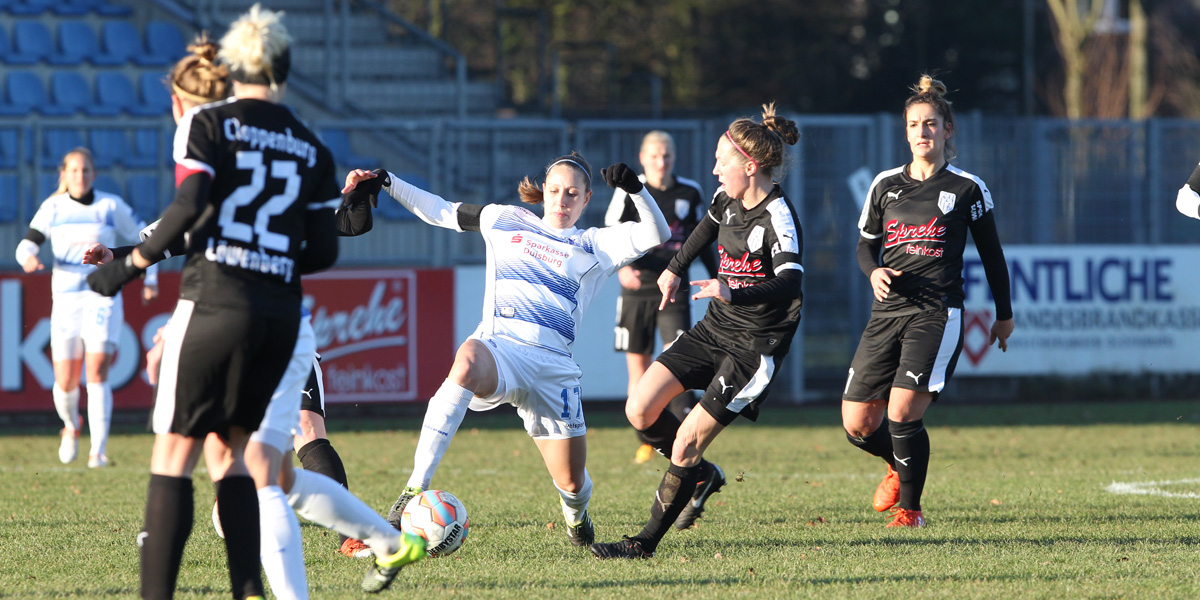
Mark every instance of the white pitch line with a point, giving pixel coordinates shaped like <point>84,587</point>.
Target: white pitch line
<point>1151,488</point>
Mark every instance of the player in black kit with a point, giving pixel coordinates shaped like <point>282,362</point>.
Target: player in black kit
<point>256,193</point>
<point>682,202</point>
<point>913,229</point>
<point>733,352</point>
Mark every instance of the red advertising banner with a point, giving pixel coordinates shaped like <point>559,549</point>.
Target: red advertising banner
<point>385,335</point>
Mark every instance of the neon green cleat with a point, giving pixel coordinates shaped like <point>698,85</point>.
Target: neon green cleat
<point>384,569</point>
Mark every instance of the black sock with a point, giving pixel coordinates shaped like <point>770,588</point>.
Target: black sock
<point>673,494</point>
<point>237,506</point>
<point>661,434</point>
<point>169,507</point>
<point>911,445</point>
<point>879,443</point>
<point>319,456</point>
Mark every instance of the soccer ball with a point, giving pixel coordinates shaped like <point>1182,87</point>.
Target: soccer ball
<point>438,517</point>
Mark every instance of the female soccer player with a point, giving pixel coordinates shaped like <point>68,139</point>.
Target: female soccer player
<point>913,229</point>
<point>733,352</point>
<point>82,322</point>
<point>256,195</point>
<point>682,203</point>
<point>541,275</point>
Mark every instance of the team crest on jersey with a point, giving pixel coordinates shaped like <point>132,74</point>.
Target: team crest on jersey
<point>682,208</point>
<point>755,241</point>
<point>946,202</point>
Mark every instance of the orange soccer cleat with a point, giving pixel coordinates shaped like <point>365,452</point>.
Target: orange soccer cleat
<point>888,492</point>
<point>906,518</point>
<point>356,549</point>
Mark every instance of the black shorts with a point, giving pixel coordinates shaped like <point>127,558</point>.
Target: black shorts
<point>219,369</point>
<point>916,352</point>
<point>735,380</point>
<point>638,317</point>
<point>313,398</point>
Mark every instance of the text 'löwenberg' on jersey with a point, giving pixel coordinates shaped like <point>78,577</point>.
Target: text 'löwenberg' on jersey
<point>260,139</point>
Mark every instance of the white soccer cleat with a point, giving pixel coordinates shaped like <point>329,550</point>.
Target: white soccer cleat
<point>97,461</point>
<point>217,522</point>
<point>68,448</point>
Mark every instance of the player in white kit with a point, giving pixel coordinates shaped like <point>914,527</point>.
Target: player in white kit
<point>542,273</point>
<point>82,322</point>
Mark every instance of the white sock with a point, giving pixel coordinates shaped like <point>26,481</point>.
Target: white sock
<point>444,414</point>
<point>325,502</point>
<point>574,505</point>
<point>280,545</point>
<point>100,404</point>
<point>67,405</point>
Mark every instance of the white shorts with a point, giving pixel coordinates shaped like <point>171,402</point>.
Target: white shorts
<point>544,387</point>
<point>282,420</point>
<point>84,321</point>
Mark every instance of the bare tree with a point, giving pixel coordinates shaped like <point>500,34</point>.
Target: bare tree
<point>1073,27</point>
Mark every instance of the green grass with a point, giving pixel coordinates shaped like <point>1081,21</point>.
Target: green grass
<point>1016,503</point>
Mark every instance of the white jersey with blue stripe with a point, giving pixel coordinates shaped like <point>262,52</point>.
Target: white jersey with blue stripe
<point>73,227</point>
<point>540,280</point>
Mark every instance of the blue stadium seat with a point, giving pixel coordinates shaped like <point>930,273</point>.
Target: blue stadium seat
<point>24,94</point>
<point>164,44</point>
<point>119,43</point>
<point>102,7</point>
<point>69,91</point>
<point>56,143</point>
<point>76,43</point>
<point>5,48</point>
<point>338,142</point>
<point>114,95</point>
<point>104,183</point>
<point>392,210</point>
<point>30,7</point>
<point>47,184</point>
<point>110,146</point>
<point>73,7</point>
<point>31,43</point>
<point>145,151</point>
<point>144,196</point>
<point>155,99</point>
<point>10,195</point>
<point>10,155</point>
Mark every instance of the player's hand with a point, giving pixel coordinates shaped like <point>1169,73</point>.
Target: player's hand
<point>630,278</point>
<point>154,358</point>
<point>149,293</point>
<point>881,282</point>
<point>668,282</point>
<point>110,278</point>
<point>97,255</point>
<point>32,264</point>
<point>354,194</point>
<point>1000,332</point>
<point>621,176</point>
<point>712,288</point>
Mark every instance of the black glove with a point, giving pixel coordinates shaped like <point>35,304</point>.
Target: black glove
<point>113,275</point>
<point>621,176</point>
<point>367,190</point>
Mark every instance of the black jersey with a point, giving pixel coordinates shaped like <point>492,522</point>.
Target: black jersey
<point>683,206</point>
<point>270,175</point>
<point>923,229</point>
<point>760,261</point>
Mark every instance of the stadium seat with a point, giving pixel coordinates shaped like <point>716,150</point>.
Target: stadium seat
<point>153,99</point>
<point>76,43</point>
<point>69,92</point>
<point>105,183</point>
<point>56,143</point>
<point>47,184</point>
<point>29,7</point>
<point>102,7</point>
<point>393,210</point>
<point>10,154</point>
<point>110,147</point>
<point>114,95</point>
<point>5,48</point>
<point>164,44</point>
<point>24,94</point>
<point>73,7</point>
<point>143,196</point>
<point>31,43</point>
<point>10,193</point>
<point>338,142</point>
<point>119,43</point>
<point>145,151</point>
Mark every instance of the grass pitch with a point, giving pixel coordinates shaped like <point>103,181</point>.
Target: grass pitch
<point>1017,504</point>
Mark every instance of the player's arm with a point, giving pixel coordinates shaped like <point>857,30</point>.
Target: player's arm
<point>354,216</point>
<point>27,251</point>
<point>1187,200</point>
<point>995,267</point>
<point>787,285</point>
<point>701,239</point>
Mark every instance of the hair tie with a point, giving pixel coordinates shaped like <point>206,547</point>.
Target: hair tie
<point>739,149</point>
<point>567,160</point>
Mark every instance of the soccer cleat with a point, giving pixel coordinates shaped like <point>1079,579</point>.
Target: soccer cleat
<point>888,492</point>
<point>216,519</point>
<point>906,518</point>
<point>384,569</point>
<point>356,549</point>
<point>644,452</point>
<point>96,461</point>
<point>711,484</point>
<point>583,533</point>
<point>397,510</point>
<point>626,548</point>
<point>68,448</point>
